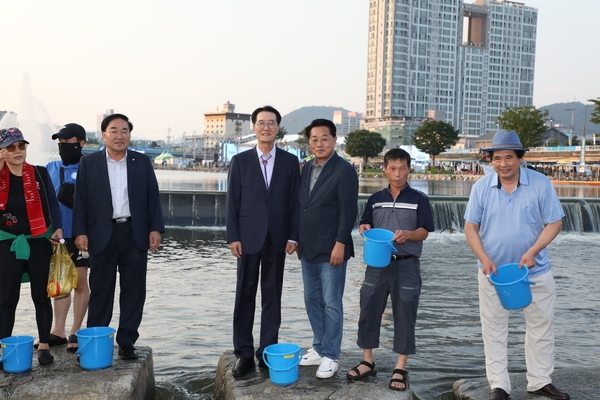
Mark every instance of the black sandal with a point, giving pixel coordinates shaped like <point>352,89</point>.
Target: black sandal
<point>360,376</point>
<point>404,380</point>
<point>72,340</point>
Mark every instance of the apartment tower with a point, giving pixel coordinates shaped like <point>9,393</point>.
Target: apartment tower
<point>462,63</point>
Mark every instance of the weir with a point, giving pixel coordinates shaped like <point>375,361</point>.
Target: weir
<point>208,209</point>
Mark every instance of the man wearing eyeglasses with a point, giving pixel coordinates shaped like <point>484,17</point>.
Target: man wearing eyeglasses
<point>262,226</point>
<point>117,217</point>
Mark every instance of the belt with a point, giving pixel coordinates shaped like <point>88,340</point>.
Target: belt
<point>398,257</point>
<point>121,220</point>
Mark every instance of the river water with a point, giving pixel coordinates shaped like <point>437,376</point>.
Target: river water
<point>191,287</point>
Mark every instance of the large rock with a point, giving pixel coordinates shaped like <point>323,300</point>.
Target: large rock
<point>66,380</point>
<point>257,385</point>
<point>580,382</point>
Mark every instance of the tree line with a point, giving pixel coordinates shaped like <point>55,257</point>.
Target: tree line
<point>434,137</point>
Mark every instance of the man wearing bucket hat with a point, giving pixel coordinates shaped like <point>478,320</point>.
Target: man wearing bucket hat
<point>407,213</point>
<point>512,215</point>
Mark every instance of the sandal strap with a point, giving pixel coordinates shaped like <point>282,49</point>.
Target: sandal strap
<point>366,363</point>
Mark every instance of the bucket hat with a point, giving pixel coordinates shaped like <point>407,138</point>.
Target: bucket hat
<point>10,136</point>
<point>503,140</point>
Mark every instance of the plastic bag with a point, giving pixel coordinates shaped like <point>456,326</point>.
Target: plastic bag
<point>62,277</point>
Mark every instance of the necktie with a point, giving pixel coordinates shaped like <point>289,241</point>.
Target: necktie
<point>265,161</point>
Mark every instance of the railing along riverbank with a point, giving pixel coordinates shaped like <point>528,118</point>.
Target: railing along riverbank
<point>208,209</point>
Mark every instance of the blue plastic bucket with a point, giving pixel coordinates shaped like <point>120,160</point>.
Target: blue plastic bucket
<point>378,248</point>
<point>512,286</point>
<point>283,360</point>
<point>17,353</point>
<point>95,347</point>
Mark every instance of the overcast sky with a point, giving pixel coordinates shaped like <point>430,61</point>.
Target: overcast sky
<point>166,63</point>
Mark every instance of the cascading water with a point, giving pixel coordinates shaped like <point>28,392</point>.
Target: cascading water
<point>197,208</point>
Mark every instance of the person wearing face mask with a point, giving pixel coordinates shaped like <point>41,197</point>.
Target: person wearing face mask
<point>71,139</point>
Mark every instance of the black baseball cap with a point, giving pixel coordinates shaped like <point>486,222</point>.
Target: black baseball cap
<point>70,130</point>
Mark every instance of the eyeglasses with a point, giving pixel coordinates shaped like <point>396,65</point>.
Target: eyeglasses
<point>12,147</point>
<point>270,124</point>
<point>115,133</point>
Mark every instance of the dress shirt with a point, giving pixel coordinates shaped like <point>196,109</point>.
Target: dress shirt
<point>270,163</point>
<point>315,172</point>
<point>117,176</point>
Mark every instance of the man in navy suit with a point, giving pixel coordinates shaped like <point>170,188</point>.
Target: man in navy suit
<point>262,226</point>
<point>117,217</point>
<point>328,208</point>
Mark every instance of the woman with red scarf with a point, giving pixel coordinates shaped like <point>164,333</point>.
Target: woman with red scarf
<point>30,221</point>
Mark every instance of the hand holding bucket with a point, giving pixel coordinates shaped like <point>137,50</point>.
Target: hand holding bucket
<point>512,286</point>
<point>378,247</point>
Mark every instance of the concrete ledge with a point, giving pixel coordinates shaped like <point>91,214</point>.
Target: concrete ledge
<point>579,382</point>
<point>256,385</point>
<point>65,379</point>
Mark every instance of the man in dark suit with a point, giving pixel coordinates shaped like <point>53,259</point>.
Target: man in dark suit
<point>262,226</point>
<point>328,208</point>
<point>117,217</point>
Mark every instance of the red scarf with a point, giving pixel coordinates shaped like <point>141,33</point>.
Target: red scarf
<point>35,212</point>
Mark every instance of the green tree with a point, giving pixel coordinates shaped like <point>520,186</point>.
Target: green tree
<point>596,113</point>
<point>154,144</point>
<point>434,137</point>
<point>365,144</point>
<point>302,142</point>
<point>527,121</point>
<point>281,133</point>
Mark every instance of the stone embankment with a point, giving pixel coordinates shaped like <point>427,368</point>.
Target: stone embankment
<point>66,380</point>
<point>579,382</point>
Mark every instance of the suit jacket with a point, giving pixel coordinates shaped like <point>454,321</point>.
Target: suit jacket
<point>93,210</point>
<point>328,213</point>
<point>253,212</point>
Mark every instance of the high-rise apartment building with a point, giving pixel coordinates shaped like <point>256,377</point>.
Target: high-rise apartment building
<point>465,62</point>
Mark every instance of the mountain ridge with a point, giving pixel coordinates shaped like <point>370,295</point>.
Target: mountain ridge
<point>561,113</point>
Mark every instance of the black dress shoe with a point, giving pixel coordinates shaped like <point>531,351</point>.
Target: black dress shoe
<point>553,392</point>
<point>242,367</point>
<point>127,352</point>
<point>498,394</point>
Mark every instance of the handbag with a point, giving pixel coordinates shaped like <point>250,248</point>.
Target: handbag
<point>66,191</point>
<point>62,277</point>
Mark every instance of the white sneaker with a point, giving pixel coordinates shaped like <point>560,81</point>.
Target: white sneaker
<point>327,368</point>
<point>311,358</point>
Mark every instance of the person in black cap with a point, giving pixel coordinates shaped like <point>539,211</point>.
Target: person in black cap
<point>71,139</point>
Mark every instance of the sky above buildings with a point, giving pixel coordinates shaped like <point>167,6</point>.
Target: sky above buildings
<point>166,63</point>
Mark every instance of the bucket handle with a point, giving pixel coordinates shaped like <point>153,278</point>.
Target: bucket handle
<point>5,355</point>
<point>264,355</point>
<point>528,281</point>
<point>391,244</point>
<point>81,346</point>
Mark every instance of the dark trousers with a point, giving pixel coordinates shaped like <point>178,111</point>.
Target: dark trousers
<point>11,271</point>
<point>270,266</point>
<point>401,281</point>
<point>121,254</point>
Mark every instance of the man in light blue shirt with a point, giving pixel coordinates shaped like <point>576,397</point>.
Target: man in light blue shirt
<point>512,215</point>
